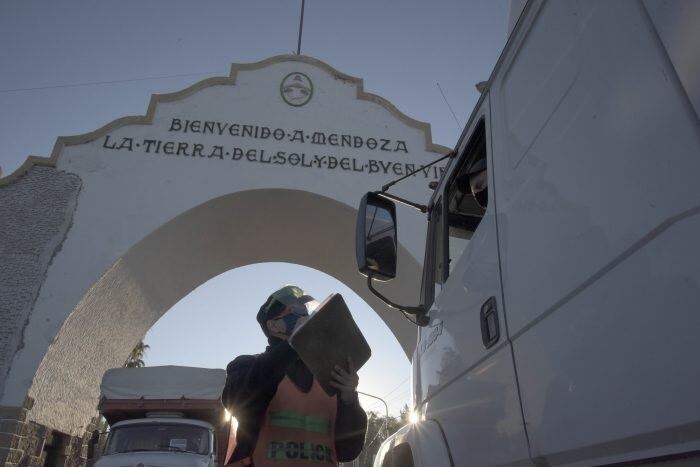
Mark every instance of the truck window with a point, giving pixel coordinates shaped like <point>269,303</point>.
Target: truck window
<point>467,197</point>
<point>438,239</point>
<point>455,216</point>
<point>158,437</point>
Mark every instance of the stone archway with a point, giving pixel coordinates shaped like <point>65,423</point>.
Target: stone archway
<point>123,221</point>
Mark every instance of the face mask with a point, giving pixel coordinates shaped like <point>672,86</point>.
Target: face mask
<point>290,320</point>
<point>482,198</point>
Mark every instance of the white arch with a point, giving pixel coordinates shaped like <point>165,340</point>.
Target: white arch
<point>143,227</point>
<point>223,233</point>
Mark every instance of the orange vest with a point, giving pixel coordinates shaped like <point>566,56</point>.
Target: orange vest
<point>298,430</point>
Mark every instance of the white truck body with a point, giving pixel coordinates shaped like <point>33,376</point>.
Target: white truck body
<point>169,416</point>
<point>587,254</point>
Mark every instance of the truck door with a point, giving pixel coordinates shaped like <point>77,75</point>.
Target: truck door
<point>467,381</point>
<point>596,147</point>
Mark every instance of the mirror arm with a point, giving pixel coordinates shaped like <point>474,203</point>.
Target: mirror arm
<point>421,207</point>
<point>418,311</point>
<point>446,156</point>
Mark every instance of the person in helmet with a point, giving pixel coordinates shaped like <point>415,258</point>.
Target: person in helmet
<point>284,416</point>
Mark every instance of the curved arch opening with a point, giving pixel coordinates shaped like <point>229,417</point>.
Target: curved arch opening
<point>219,319</point>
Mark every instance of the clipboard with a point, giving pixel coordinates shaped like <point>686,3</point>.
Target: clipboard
<point>328,338</point>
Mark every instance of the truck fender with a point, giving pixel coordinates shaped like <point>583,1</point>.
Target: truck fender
<point>419,444</point>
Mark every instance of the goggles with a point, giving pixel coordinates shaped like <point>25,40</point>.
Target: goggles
<point>295,312</point>
<point>292,300</point>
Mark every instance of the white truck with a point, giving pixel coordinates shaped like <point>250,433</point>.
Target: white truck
<point>560,325</point>
<point>165,416</point>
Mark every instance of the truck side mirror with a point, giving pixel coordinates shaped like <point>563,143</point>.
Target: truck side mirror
<point>375,237</point>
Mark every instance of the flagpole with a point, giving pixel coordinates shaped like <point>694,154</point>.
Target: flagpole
<point>301,27</point>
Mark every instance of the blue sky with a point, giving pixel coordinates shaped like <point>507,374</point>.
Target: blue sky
<point>69,67</point>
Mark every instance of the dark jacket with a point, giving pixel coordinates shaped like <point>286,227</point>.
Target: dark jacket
<point>251,383</point>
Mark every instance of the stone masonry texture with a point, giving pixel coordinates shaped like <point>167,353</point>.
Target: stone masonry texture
<point>26,444</point>
<point>36,211</point>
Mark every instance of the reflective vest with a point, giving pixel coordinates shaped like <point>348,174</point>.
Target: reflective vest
<point>298,430</point>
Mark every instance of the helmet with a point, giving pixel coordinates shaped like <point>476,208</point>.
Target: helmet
<point>289,296</point>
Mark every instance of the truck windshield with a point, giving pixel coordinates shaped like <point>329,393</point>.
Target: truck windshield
<point>158,437</point>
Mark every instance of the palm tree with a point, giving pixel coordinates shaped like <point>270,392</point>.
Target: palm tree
<point>135,358</point>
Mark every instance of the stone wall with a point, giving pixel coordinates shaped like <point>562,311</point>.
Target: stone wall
<point>27,444</point>
<point>21,442</point>
<point>36,211</point>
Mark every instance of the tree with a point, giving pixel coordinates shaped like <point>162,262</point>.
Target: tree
<point>135,358</point>
<point>377,434</point>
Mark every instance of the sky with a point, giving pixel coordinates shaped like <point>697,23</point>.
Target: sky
<point>70,67</point>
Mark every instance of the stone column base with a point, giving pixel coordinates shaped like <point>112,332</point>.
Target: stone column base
<point>28,444</point>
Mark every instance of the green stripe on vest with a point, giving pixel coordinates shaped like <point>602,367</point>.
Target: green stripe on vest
<point>289,419</point>
<point>299,450</point>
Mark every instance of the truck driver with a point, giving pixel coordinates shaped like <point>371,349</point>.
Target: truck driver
<point>478,182</point>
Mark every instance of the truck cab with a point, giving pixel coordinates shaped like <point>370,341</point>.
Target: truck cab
<point>168,416</point>
<point>172,441</point>
<point>558,321</point>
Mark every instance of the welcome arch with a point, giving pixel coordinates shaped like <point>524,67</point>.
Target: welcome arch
<point>120,223</point>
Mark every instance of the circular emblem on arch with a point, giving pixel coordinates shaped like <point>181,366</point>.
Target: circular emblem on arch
<point>296,89</point>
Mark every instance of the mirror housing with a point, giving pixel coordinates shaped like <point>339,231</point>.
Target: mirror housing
<point>376,242</point>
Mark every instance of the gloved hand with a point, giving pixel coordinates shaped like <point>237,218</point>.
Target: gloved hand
<point>345,381</point>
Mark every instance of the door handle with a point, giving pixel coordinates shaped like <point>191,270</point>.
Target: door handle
<point>490,330</point>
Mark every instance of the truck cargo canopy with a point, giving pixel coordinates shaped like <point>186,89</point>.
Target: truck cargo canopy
<point>163,382</point>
